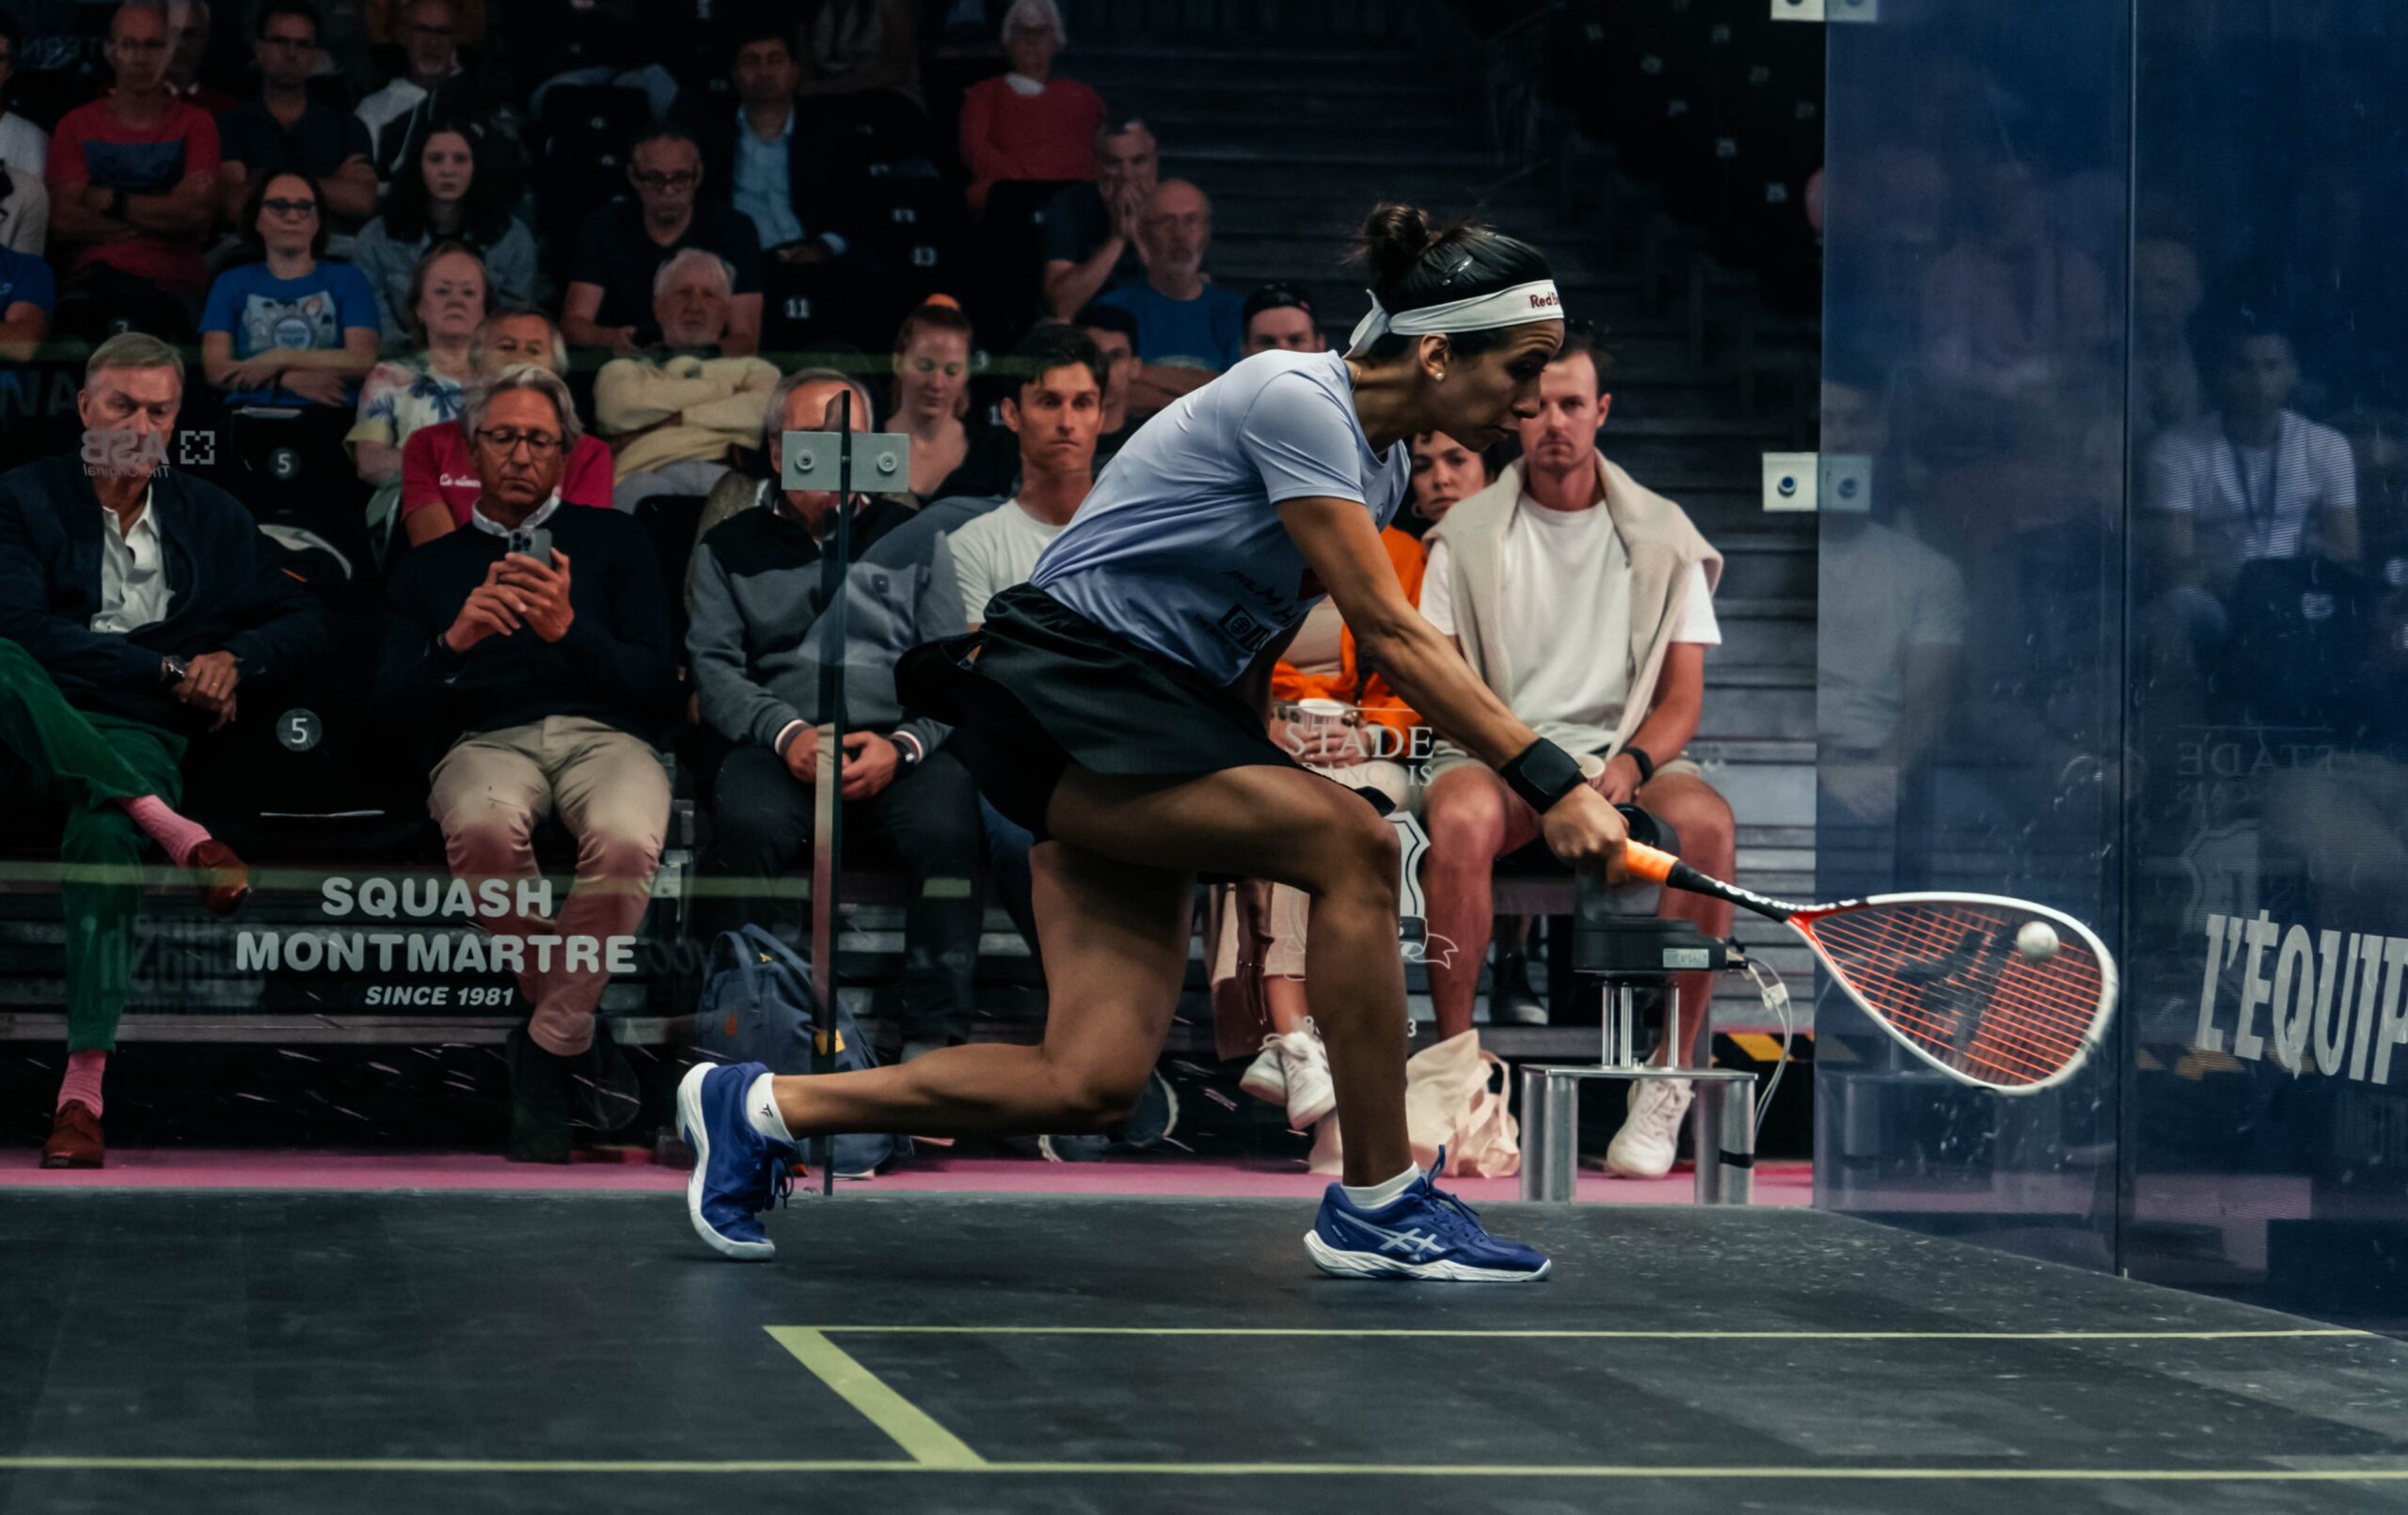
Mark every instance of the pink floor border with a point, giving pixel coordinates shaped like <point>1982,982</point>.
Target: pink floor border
<point>1777,1183</point>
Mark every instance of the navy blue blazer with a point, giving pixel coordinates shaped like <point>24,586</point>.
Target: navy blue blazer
<point>230,592</point>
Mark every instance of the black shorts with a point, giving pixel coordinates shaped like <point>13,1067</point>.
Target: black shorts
<point>1039,687</point>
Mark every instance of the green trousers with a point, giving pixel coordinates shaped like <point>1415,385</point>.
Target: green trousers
<point>79,763</point>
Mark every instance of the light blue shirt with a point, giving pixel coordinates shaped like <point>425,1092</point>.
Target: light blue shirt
<point>1179,546</point>
<point>763,191</point>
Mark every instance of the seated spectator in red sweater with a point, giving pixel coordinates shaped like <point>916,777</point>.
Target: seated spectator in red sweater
<point>134,187</point>
<point>439,480</point>
<point>1026,124</point>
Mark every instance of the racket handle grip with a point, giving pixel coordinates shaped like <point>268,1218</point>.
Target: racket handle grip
<point>1650,864</point>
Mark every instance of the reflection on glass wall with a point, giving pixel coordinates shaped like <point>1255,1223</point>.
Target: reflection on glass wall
<point>2269,933</point>
<point>1971,590</point>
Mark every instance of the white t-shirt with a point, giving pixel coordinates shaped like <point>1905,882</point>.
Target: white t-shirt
<point>1179,546</point>
<point>994,552</point>
<point>1883,595</point>
<point>23,146</point>
<point>1565,620</point>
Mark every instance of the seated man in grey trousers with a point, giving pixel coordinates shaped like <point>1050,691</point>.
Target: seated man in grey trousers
<point>542,682</point>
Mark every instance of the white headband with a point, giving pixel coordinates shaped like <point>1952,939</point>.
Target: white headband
<point>1535,301</point>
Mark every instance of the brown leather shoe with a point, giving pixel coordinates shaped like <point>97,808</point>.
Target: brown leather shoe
<point>75,1138</point>
<point>225,878</point>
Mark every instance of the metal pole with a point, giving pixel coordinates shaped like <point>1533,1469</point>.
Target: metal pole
<point>828,812</point>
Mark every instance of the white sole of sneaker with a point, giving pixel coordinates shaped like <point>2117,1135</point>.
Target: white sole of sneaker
<point>1371,1264</point>
<point>697,1136</point>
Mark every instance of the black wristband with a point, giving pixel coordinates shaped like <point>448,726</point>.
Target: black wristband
<point>1646,763</point>
<point>1543,774</point>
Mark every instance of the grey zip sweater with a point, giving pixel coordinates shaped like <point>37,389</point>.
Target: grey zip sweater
<point>755,639</point>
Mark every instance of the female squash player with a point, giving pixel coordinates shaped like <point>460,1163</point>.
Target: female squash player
<point>1114,705</point>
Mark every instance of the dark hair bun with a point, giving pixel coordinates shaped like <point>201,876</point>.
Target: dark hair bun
<point>1393,239</point>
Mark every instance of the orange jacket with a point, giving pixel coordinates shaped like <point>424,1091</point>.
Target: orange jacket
<point>1378,703</point>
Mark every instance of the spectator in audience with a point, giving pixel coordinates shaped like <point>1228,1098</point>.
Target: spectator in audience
<point>810,393</point>
<point>447,301</point>
<point>541,682</point>
<point>27,301</point>
<point>443,195</point>
<point>133,179</point>
<point>1891,636</point>
<point>188,25</point>
<point>2166,292</point>
<point>440,483</point>
<point>428,34</point>
<point>863,57</point>
<point>932,397</point>
<point>2255,479</point>
<point>285,130</point>
<point>1027,124</point>
<point>1054,413</point>
<point>1360,749</point>
<point>612,276</point>
<point>2014,307</point>
<point>137,606</point>
<point>756,596</point>
<point>1114,331</point>
<point>1586,602</point>
<point>25,157</point>
<point>1445,472</point>
<point>1279,318</point>
<point>1091,228</point>
<point>2252,482</point>
<point>282,328</point>
<point>761,158</point>
<point>676,415</point>
<point>1188,328</point>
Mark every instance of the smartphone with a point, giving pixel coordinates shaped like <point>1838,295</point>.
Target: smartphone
<point>534,543</point>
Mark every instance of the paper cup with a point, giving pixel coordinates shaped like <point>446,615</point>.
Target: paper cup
<point>1591,764</point>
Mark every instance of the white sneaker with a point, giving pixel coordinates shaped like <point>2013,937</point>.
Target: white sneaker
<point>1650,1136</point>
<point>1310,1094</point>
<point>1266,1077</point>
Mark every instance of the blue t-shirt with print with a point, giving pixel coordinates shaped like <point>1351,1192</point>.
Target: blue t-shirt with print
<point>1208,330</point>
<point>1179,546</point>
<point>25,279</point>
<point>260,311</point>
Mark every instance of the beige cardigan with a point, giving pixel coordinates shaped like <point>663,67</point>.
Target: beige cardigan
<point>681,407</point>
<point>1656,532</point>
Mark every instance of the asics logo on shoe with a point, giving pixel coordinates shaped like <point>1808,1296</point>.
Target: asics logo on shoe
<point>1413,1244</point>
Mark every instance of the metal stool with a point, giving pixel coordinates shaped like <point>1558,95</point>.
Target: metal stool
<point>1625,952</point>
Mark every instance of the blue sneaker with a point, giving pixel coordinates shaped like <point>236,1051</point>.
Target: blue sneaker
<point>737,1172</point>
<point>1423,1233</point>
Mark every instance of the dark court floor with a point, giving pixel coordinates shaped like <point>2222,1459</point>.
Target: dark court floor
<point>410,1353</point>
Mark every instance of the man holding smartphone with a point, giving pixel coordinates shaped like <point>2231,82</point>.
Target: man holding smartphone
<point>534,651</point>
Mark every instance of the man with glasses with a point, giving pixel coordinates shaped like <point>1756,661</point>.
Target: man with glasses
<point>534,652</point>
<point>624,244</point>
<point>284,130</point>
<point>133,182</point>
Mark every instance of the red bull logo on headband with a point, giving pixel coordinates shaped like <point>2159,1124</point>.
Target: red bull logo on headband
<point>1545,302</point>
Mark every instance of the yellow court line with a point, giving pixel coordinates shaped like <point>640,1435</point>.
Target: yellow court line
<point>1230,1470</point>
<point>912,1429</point>
<point>1592,1336</point>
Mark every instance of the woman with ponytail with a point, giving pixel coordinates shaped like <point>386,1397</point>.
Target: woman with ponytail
<point>1115,706</point>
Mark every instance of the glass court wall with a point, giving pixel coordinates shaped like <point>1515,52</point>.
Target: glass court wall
<point>2111,323</point>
